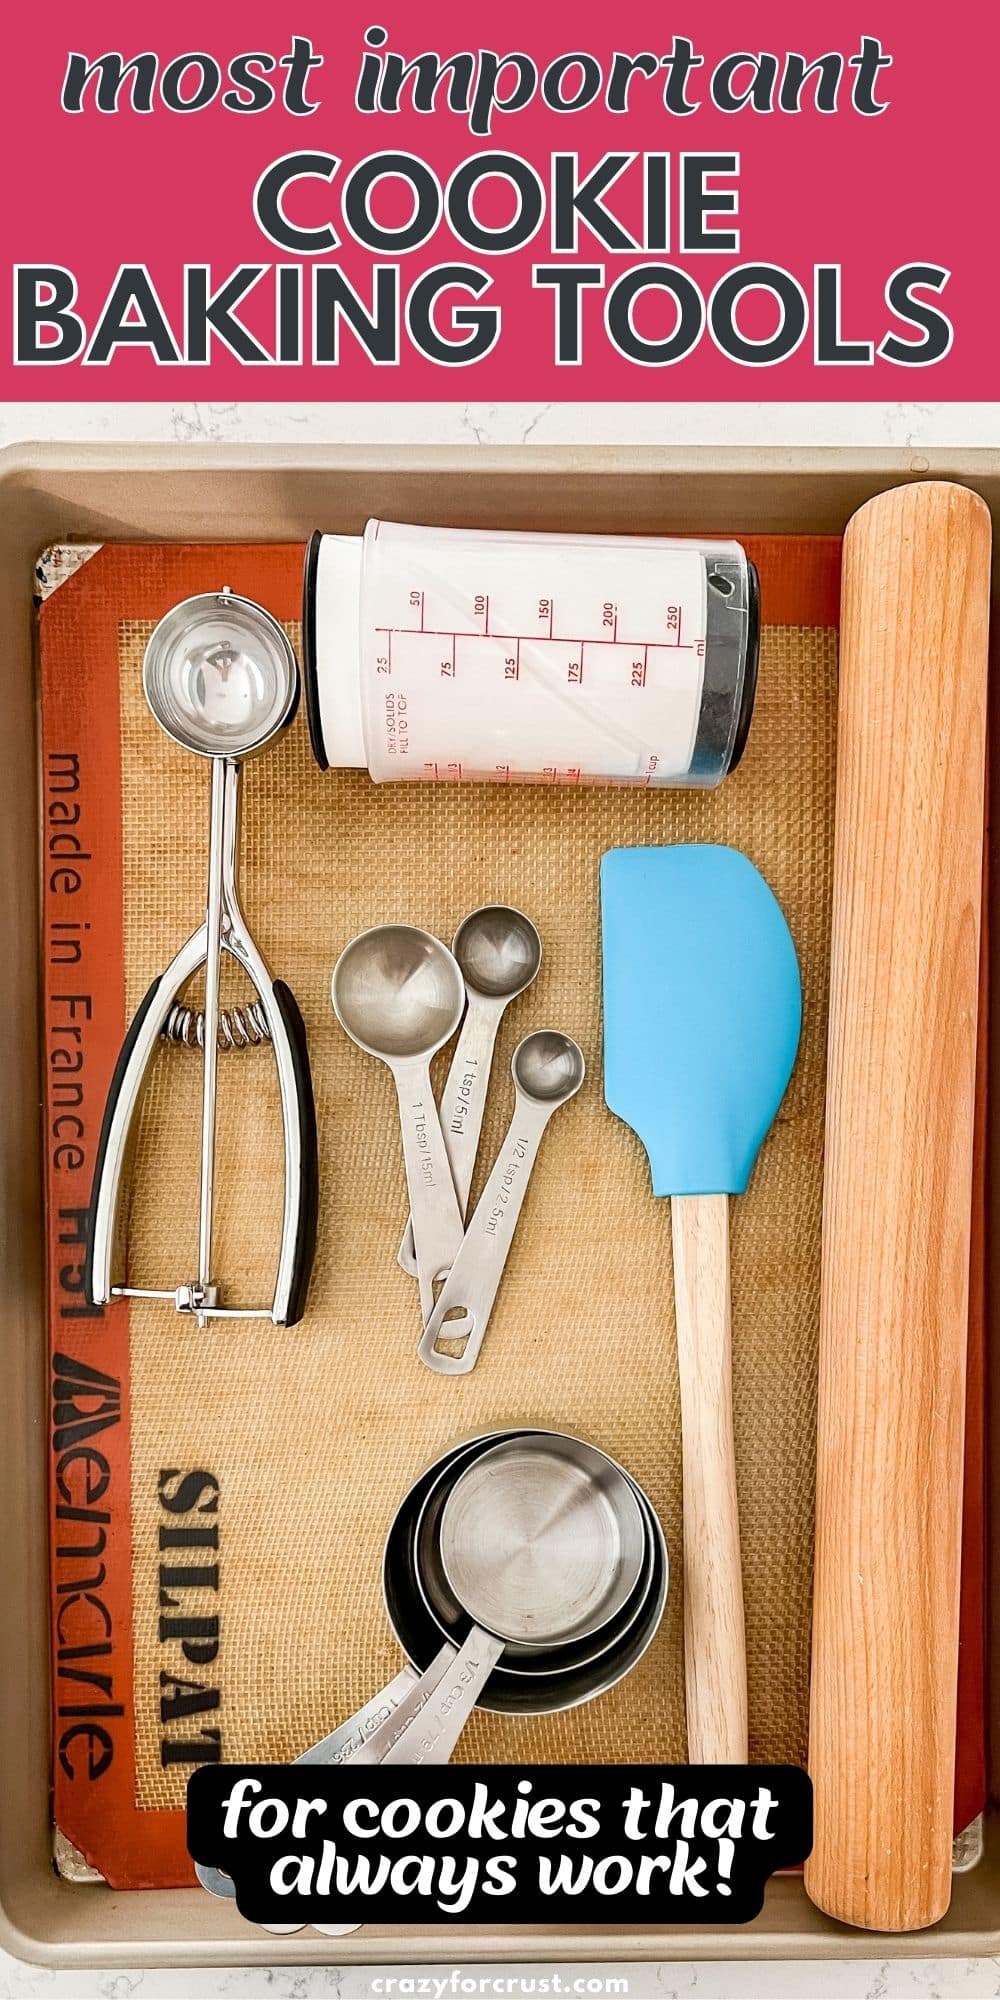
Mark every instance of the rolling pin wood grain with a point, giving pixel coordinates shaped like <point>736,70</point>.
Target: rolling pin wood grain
<point>897,1204</point>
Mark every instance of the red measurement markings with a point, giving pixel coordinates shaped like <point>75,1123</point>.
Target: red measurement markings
<point>674,618</point>
<point>512,662</point>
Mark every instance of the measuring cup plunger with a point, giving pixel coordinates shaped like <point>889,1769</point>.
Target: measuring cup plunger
<point>221,680</point>
<point>499,952</point>
<point>548,1069</point>
<point>398,993</point>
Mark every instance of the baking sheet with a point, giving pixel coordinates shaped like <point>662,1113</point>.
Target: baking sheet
<point>305,1439</point>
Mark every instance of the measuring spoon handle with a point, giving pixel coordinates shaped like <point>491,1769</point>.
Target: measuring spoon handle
<point>475,1275</point>
<point>432,1735</point>
<point>437,1218</point>
<point>463,1103</point>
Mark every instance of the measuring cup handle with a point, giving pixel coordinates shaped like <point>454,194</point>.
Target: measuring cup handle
<point>338,1748</point>
<point>376,1747</point>
<point>433,1733</point>
<point>474,1279</point>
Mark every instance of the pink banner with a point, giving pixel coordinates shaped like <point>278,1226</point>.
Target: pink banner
<point>389,202</point>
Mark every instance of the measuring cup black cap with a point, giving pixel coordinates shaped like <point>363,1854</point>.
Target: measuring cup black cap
<point>732,658</point>
<point>309,668</point>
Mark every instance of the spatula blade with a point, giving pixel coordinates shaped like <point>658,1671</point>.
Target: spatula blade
<point>702,1010</point>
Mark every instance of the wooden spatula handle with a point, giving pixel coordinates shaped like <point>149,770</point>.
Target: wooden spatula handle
<point>715,1654</point>
<point>897,1204</point>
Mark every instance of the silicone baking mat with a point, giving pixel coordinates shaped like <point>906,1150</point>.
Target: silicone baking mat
<point>220,1498</point>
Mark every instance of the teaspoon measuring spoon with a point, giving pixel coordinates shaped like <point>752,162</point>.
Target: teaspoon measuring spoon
<point>499,952</point>
<point>548,1068</point>
<point>399,994</point>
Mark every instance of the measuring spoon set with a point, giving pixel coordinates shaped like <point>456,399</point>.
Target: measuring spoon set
<point>401,995</point>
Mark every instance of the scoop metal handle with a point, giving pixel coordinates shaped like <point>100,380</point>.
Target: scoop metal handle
<point>463,1103</point>
<point>288,1041</point>
<point>471,1288</point>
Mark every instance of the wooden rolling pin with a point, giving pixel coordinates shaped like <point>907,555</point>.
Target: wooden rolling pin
<point>897,1204</point>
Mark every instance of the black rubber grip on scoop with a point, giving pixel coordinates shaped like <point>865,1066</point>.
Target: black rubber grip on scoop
<point>305,1238</point>
<point>118,1078</point>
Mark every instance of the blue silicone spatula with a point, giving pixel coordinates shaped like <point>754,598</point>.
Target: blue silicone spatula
<point>702,1014</point>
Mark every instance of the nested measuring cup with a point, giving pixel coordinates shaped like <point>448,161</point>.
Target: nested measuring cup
<point>544,1682</point>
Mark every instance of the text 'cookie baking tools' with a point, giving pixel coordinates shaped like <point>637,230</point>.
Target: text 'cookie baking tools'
<point>399,994</point>
<point>221,680</point>
<point>453,653</point>
<point>702,1015</point>
<point>499,952</point>
<point>548,1069</point>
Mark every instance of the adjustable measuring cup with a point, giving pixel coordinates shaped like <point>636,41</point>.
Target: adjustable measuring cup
<point>456,653</point>
<point>221,680</point>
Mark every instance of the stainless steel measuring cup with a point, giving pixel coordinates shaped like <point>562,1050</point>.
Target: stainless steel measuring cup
<point>439,1672</point>
<point>452,1620</point>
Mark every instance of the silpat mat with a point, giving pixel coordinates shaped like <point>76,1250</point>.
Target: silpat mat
<point>220,1499</point>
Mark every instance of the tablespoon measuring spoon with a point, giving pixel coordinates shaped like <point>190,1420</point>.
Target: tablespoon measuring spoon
<point>499,952</point>
<point>399,994</point>
<point>548,1069</point>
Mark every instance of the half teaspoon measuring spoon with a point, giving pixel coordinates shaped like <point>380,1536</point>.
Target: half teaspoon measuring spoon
<point>548,1069</point>
<point>499,952</point>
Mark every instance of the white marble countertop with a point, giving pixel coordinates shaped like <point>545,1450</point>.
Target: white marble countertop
<point>913,425</point>
<point>910,425</point>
